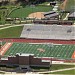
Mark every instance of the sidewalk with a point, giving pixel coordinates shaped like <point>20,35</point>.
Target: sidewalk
<point>58,70</point>
<point>11,26</point>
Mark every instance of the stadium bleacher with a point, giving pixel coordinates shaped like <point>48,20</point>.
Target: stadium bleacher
<point>42,50</point>
<point>48,32</point>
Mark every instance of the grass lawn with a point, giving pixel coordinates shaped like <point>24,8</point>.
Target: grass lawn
<point>12,32</point>
<point>24,12</point>
<point>4,11</point>
<point>2,73</point>
<point>58,67</point>
<point>70,4</point>
<point>70,72</point>
<point>61,66</point>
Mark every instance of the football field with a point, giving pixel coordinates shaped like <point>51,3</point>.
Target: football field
<point>42,50</point>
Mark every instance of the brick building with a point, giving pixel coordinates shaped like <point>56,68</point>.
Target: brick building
<point>24,60</point>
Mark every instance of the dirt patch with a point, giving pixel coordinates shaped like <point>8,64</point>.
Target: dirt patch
<point>37,15</point>
<point>63,5</point>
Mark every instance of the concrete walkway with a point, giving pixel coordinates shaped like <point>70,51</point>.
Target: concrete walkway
<point>11,26</point>
<point>66,16</point>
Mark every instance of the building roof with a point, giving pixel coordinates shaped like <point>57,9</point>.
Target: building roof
<point>52,15</point>
<point>50,12</point>
<point>72,14</point>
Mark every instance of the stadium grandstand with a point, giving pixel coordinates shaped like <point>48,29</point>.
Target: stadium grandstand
<point>48,32</point>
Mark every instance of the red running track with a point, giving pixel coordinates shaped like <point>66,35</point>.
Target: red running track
<point>39,41</point>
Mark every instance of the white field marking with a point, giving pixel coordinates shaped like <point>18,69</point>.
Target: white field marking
<point>57,44</point>
<point>40,43</point>
<point>46,43</point>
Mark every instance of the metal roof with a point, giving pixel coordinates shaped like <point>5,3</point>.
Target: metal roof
<point>72,14</point>
<point>50,12</point>
<point>52,15</point>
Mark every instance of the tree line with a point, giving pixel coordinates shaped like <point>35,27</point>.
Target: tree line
<point>5,2</point>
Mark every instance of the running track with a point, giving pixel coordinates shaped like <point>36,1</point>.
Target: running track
<point>39,41</point>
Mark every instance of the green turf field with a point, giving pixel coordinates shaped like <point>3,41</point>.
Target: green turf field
<point>48,50</point>
<point>70,5</point>
<point>12,32</point>
<point>24,12</point>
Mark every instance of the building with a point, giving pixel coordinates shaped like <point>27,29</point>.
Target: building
<point>71,16</point>
<point>51,15</point>
<point>51,22</point>
<point>53,3</point>
<point>24,61</point>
